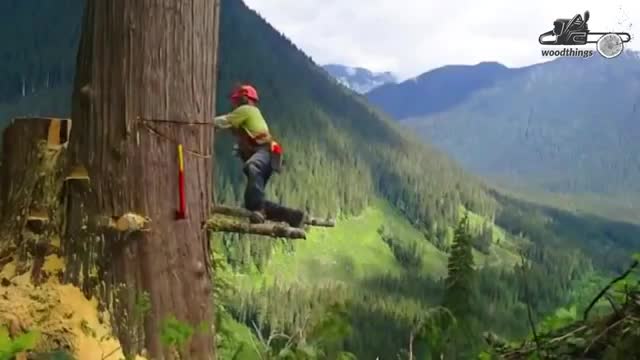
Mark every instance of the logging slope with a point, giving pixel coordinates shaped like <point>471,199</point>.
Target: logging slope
<point>396,199</point>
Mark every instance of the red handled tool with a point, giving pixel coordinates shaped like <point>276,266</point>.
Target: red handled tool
<point>182,211</point>
<point>276,157</point>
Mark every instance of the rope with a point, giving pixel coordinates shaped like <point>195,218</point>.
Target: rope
<point>168,138</point>
<point>176,122</point>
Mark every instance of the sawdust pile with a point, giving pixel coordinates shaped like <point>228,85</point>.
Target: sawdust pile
<point>62,315</point>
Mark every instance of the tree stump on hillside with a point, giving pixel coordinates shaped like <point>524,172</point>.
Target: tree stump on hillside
<point>33,161</point>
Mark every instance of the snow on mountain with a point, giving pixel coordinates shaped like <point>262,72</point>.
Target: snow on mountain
<point>359,79</point>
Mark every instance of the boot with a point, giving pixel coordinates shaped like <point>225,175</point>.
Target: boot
<point>296,218</point>
<point>257,217</point>
<point>278,213</point>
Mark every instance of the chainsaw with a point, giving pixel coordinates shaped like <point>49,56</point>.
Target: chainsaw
<point>576,32</point>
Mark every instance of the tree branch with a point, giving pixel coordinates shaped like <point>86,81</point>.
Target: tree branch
<point>128,222</point>
<point>606,288</point>
<point>274,336</point>
<point>529,312</point>
<point>597,338</point>
<point>612,303</point>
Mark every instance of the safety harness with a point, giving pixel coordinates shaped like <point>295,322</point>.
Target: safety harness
<point>248,145</point>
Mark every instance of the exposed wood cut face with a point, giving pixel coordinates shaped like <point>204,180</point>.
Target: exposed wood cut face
<point>59,133</point>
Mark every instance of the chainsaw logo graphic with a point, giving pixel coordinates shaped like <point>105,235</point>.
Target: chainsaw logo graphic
<point>575,31</point>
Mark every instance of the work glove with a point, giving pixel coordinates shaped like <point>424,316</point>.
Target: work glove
<point>221,122</point>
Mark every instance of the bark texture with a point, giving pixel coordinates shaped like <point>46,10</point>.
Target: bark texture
<point>33,158</point>
<point>145,59</point>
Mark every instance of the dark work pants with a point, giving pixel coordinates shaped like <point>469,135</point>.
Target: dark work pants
<point>258,171</point>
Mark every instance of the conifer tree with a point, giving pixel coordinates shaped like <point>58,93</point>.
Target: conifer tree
<point>459,292</point>
<point>459,281</point>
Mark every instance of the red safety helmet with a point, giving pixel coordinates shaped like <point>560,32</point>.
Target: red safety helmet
<point>247,91</point>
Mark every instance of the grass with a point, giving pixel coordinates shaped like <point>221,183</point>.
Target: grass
<point>243,342</point>
<point>504,249</point>
<point>353,250</point>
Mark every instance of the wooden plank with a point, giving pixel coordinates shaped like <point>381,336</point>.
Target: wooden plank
<point>244,213</point>
<point>37,220</point>
<point>78,173</point>
<point>276,230</point>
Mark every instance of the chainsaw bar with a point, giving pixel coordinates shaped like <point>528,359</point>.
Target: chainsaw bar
<point>601,34</point>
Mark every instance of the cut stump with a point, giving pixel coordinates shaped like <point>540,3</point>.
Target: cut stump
<point>33,161</point>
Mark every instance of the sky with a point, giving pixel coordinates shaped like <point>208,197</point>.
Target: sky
<point>422,35</point>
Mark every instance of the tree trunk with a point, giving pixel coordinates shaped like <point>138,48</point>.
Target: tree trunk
<point>140,60</point>
<point>33,158</point>
<point>411,345</point>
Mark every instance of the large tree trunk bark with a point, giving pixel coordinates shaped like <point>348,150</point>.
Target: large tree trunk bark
<point>33,158</point>
<point>141,60</point>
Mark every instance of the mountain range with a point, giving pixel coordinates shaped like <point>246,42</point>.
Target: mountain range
<point>568,125</point>
<point>359,79</point>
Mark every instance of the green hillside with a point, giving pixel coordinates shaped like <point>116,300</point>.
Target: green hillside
<point>385,284</point>
<point>397,201</point>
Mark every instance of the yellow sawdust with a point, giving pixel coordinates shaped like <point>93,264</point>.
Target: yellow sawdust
<point>8,270</point>
<point>61,313</point>
<point>53,264</point>
<point>55,242</point>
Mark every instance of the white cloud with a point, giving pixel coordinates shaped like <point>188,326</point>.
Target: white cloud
<point>413,36</point>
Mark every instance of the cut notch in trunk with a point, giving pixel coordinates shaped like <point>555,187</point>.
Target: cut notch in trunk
<point>59,132</point>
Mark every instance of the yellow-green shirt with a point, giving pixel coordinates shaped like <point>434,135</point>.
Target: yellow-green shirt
<point>249,118</point>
